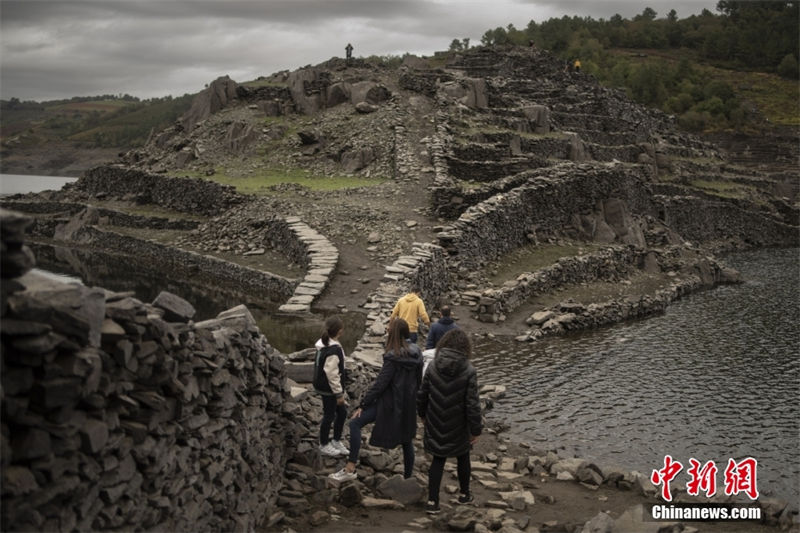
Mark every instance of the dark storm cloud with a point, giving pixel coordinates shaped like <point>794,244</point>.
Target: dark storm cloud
<point>58,49</point>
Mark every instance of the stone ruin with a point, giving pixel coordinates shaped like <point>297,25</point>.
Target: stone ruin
<point>119,414</point>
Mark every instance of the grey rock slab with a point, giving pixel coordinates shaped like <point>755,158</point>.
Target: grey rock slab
<point>405,491</point>
<point>176,309</point>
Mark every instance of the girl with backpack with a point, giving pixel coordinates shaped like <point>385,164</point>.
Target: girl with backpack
<point>389,402</point>
<point>329,382</point>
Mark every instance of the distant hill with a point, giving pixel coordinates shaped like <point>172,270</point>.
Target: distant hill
<point>65,137</point>
<point>732,71</point>
<point>91,122</point>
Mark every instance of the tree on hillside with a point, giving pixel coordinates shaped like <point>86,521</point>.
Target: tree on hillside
<point>648,14</point>
<point>788,67</point>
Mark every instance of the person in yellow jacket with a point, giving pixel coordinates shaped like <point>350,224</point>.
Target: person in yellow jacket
<point>411,308</point>
<point>577,65</point>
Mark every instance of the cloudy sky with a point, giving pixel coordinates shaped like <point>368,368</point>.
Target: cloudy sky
<point>52,49</point>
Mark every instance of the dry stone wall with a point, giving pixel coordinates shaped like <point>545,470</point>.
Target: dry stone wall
<point>425,267</point>
<point>705,220</point>
<point>119,414</point>
<point>320,257</point>
<point>611,264</point>
<point>188,195</point>
<point>187,264</point>
<point>546,203</point>
<point>106,216</point>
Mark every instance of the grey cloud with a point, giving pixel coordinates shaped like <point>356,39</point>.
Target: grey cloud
<point>59,49</point>
<point>625,8</point>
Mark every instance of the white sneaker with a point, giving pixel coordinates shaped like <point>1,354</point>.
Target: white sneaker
<point>329,449</point>
<point>341,447</point>
<point>343,475</point>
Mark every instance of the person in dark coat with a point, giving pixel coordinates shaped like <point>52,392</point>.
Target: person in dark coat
<point>449,406</point>
<point>389,402</point>
<point>439,328</point>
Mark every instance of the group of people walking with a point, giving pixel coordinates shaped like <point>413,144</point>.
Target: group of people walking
<point>444,396</point>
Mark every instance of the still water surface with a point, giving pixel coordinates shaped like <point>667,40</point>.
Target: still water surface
<point>18,183</point>
<point>716,377</point>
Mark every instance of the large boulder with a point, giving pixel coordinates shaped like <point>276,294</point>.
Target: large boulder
<point>476,96</point>
<point>415,62</point>
<point>309,89</point>
<point>538,118</point>
<point>216,96</point>
<point>627,229</point>
<point>577,149</point>
<point>239,136</point>
<point>357,159</point>
<point>369,92</point>
<point>338,93</point>
<point>470,92</point>
<point>73,230</point>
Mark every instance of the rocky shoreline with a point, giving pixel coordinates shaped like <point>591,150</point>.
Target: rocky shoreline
<point>519,487</point>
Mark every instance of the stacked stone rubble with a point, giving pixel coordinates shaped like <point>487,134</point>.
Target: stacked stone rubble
<point>702,220</point>
<point>320,258</point>
<point>425,267</point>
<point>15,257</point>
<point>118,414</point>
<point>107,216</point>
<point>546,203</point>
<point>188,195</point>
<point>184,264</point>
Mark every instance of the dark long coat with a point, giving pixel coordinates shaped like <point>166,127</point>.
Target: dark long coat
<point>395,392</point>
<point>448,401</point>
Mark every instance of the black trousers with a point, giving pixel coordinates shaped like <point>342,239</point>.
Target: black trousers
<point>436,470</point>
<point>331,413</point>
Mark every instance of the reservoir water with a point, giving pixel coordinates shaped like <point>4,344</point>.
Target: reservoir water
<point>18,183</point>
<point>716,377</point>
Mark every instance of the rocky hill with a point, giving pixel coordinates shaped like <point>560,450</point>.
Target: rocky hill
<point>487,152</point>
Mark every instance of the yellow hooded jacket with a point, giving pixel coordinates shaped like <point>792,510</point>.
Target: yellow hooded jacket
<point>410,308</point>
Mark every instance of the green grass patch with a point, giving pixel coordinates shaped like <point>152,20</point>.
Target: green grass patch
<point>777,98</point>
<point>255,84</point>
<point>532,258</point>
<point>260,182</point>
<point>492,129</point>
<point>94,105</point>
<point>724,189</point>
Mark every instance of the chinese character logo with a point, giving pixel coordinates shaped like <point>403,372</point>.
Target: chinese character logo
<point>665,475</point>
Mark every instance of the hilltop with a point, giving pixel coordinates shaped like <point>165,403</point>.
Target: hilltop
<point>378,156</point>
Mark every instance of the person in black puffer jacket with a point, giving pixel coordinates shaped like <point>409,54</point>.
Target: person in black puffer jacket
<point>389,402</point>
<point>449,406</point>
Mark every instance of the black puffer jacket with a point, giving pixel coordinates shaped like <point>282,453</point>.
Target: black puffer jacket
<point>394,391</point>
<point>448,401</point>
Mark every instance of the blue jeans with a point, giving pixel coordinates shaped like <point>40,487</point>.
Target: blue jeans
<point>368,415</point>
<point>412,338</point>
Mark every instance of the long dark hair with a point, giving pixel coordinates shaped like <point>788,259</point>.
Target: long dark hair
<point>398,333</point>
<point>333,326</point>
<point>456,339</point>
